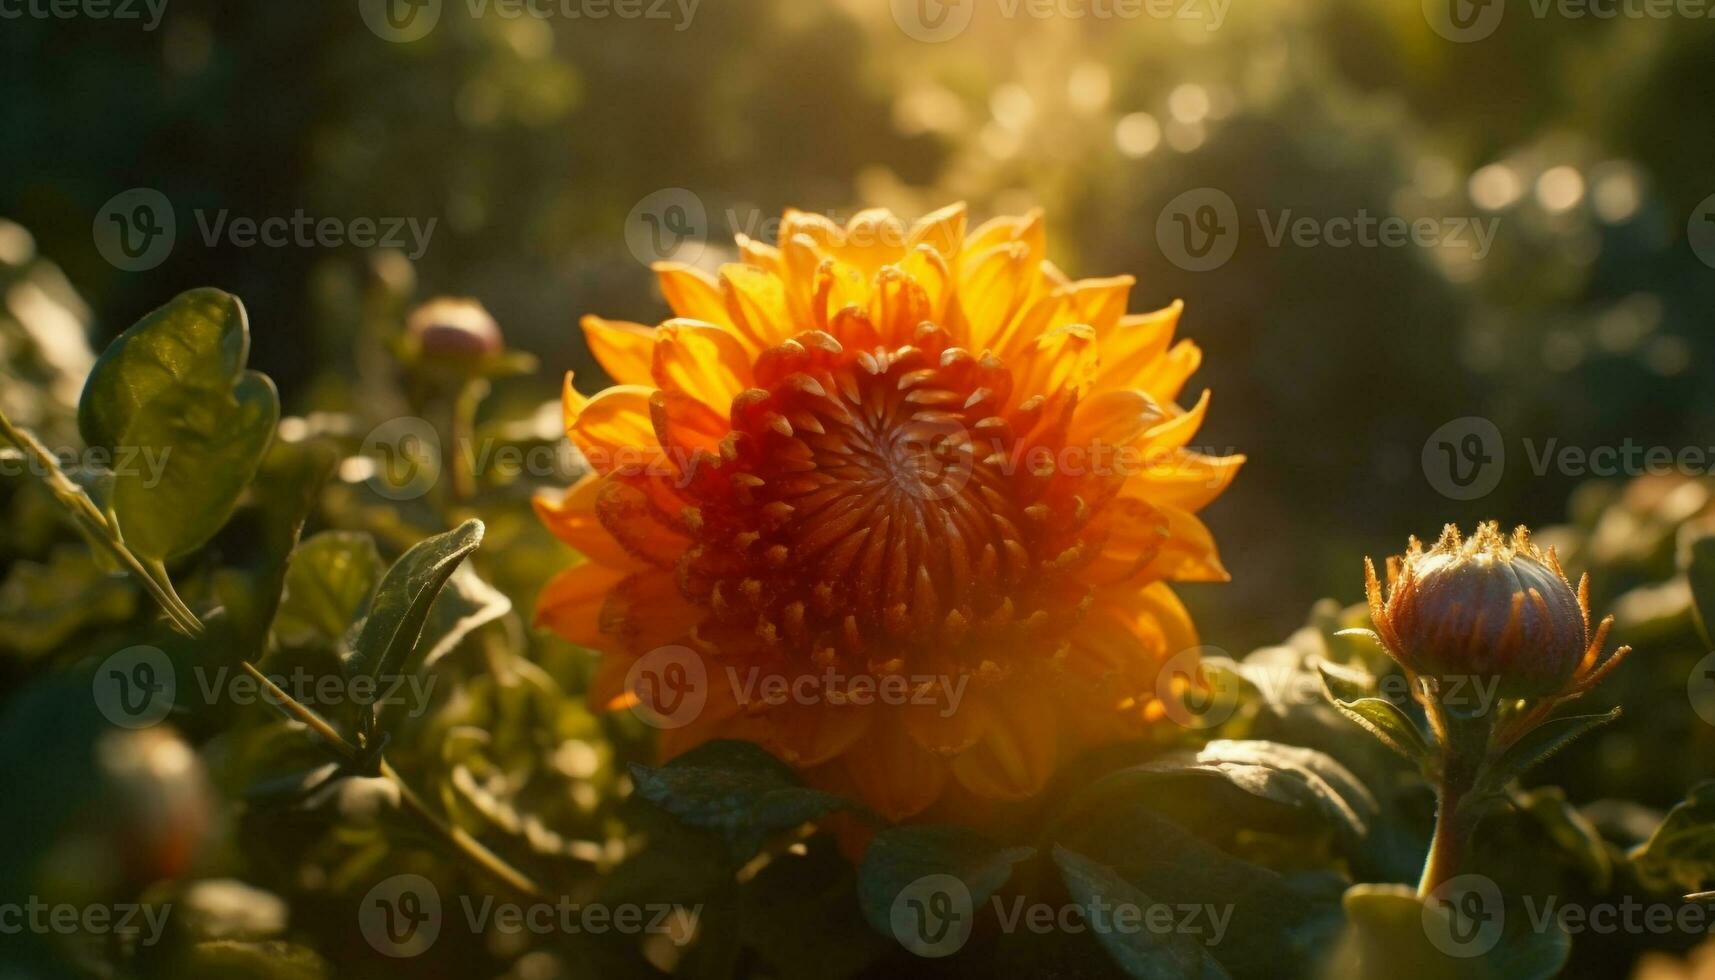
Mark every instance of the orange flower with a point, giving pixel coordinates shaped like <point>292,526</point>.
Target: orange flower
<point>908,498</point>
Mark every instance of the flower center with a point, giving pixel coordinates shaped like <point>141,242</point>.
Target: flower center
<point>868,514</point>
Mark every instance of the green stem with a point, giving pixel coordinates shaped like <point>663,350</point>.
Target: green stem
<point>456,838</point>
<point>100,529</point>
<point>467,845</point>
<point>1458,808</point>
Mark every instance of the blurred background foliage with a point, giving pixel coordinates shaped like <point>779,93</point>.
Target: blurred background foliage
<point>530,141</point>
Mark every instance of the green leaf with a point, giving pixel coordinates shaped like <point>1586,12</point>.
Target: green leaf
<point>1539,743</point>
<point>1392,934</point>
<point>467,603</point>
<point>1279,925</point>
<point>200,340</point>
<point>185,423</point>
<point>736,788</point>
<point>1142,953</point>
<point>1299,787</point>
<point>327,587</point>
<point>1570,830</point>
<point>205,447</point>
<point>401,605</point>
<point>901,859</point>
<point>1682,849</point>
<point>44,605</point>
<point>1383,719</point>
<point>1700,569</point>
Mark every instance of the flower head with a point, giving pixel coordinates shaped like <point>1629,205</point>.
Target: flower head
<point>453,330</point>
<point>1487,608</point>
<point>922,479</point>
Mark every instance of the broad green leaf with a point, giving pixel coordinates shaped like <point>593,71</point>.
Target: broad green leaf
<point>903,859</point>
<point>401,604</point>
<point>199,340</point>
<point>1295,785</point>
<point>736,788</point>
<point>208,445</point>
<point>328,585</point>
<point>1392,934</point>
<point>1682,849</point>
<point>258,543</point>
<point>1142,953</point>
<point>1279,924</point>
<point>1540,743</point>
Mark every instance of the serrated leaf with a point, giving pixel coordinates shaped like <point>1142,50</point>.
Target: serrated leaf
<point>1540,743</point>
<point>901,857</point>
<point>402,601</point>
<point>327,587</point>
<point>1140,952</point>
<point>736,788</point>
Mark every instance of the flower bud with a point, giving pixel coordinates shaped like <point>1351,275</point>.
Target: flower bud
<point>1487,609</point>
<point>455,330</point>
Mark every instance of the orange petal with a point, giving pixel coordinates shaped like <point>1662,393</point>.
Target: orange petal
<point>623,349</point>
<point>756,306</point>
<point>571,603</point>
<point>702,360</point>
<point>1168,374</point>
<point>897,777</point>
<point>811,734</point>
<point>613,429</point>
<point>573,520</point>
<point>692,293</point>
<point>1018,748</point>
<point>1114,418</point>
<point>1100,303</point>
<point>1182,478</point>
<point>991,287</point>
<point>1130,349</point>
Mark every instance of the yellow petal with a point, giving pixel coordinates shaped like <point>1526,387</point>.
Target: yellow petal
<point>613,429</point>
<point>692,293</point>
<point>703,361</point>
<point>756,306</point>
<point>1132,347</point>
<point>623,349</point>
<point>943,231</point>
<point>573,520</point>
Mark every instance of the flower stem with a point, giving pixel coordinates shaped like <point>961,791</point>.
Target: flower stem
<point>1464,747</point>
<point>100,529</point>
